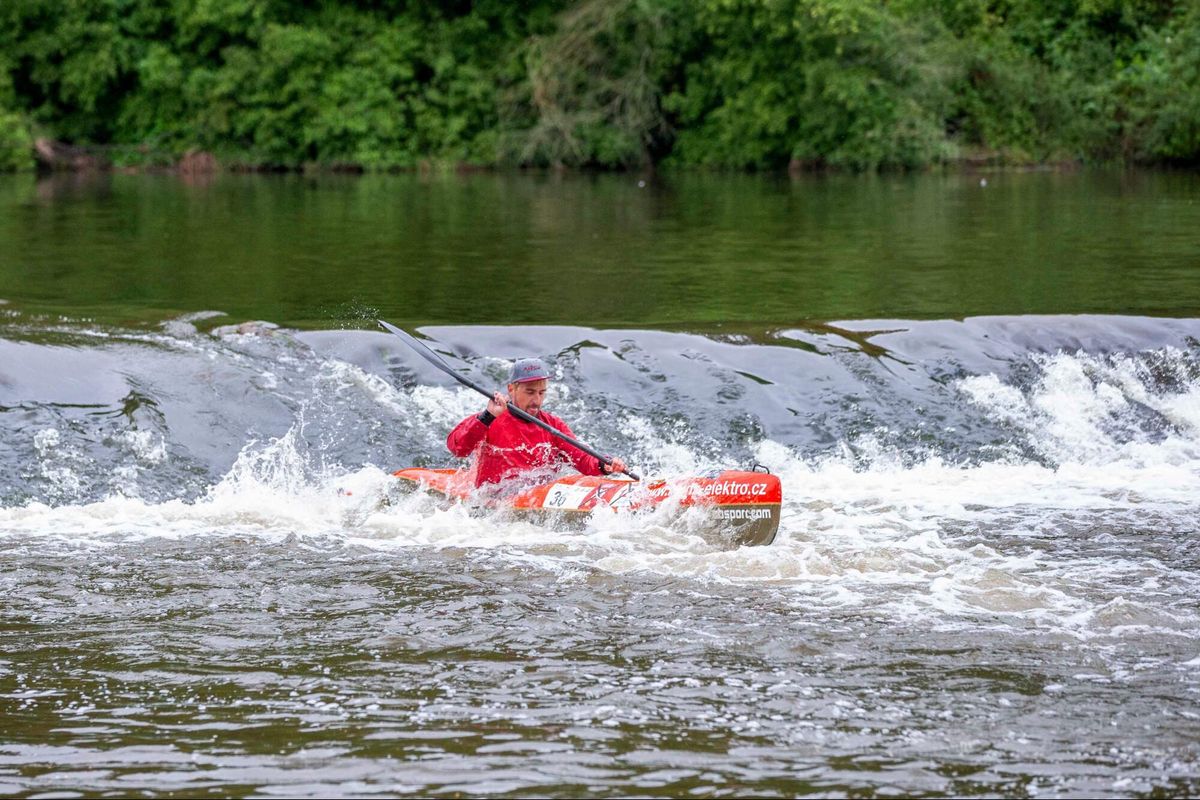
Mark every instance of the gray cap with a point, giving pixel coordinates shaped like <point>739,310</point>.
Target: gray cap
<point>529,369</point>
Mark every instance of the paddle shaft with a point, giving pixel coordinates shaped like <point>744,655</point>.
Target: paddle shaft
<point>437,361</point>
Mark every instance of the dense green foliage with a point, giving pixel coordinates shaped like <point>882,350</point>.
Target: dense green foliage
<point>16,145</point>
<point>859,84</point>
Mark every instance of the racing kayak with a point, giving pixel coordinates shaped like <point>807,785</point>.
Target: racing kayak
<point>743,507</point>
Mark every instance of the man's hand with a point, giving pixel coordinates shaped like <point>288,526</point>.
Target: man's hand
<point>498,404</point>
<point>613,465</point>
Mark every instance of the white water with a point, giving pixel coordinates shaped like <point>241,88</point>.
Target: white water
<point>995,572</point>
<point>1052,544</point>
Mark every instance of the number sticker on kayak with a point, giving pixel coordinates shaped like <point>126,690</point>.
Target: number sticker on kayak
<point>568,496</point>
<point>571,497</point>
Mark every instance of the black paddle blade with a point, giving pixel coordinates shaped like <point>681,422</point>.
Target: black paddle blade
<point>433,358</point>
<point>418,345</point>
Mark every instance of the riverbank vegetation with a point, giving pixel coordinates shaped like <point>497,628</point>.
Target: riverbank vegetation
<point>747,84</point>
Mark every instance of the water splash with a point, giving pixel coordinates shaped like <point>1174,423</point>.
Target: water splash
<point>1070,447</point>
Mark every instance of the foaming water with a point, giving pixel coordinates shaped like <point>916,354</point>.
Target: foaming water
<point>985,579</point>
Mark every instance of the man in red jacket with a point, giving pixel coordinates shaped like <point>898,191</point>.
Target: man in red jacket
<point>507,446</point>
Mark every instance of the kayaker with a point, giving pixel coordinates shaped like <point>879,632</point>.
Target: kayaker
<point>507,446</point>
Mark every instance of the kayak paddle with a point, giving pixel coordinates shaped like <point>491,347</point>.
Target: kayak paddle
<point>437,361</point>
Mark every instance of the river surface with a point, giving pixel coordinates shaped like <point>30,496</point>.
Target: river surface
<point>981,393</point>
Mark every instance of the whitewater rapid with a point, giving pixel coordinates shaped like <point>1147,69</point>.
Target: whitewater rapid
<point>1082,451</point>
<point>986,577</point>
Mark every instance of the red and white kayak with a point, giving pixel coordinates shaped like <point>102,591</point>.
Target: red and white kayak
<point>743,506</point>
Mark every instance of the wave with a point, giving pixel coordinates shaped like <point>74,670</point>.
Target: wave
<point>1036,470</point>
<point>88,413</point>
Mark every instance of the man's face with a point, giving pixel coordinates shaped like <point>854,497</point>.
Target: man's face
<point>528,396</point>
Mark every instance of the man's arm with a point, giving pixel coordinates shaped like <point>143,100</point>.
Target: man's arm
<point>467,435</point>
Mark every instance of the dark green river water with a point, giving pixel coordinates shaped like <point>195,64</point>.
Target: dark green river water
<point>981,394</point>
<point>603,251</point>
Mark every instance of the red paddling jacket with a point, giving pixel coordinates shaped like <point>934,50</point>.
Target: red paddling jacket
<point>507,446</point>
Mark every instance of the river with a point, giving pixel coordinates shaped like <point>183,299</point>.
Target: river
<point>980,391</point>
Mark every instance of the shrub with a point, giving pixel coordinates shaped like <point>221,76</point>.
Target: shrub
<point>16,143</point>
